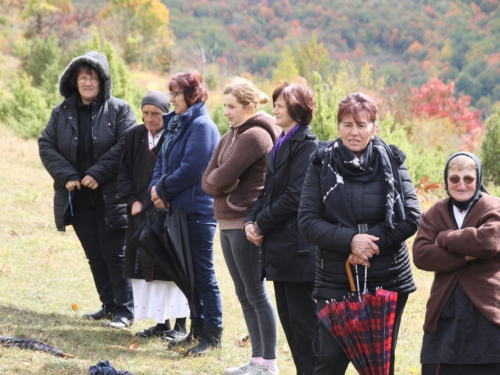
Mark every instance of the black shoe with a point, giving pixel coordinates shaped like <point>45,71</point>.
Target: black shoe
<point>194,336</point>
<point>119,322</point>
<point>211,340</point>
<point>103,313</point>
<point>172,335</point>
<point>157,330</point>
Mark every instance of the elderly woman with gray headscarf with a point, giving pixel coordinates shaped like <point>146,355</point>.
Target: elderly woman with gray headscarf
<point>358,203</point>
<point>156,296</point>
<point>81,149</point>
<point>459,240</point>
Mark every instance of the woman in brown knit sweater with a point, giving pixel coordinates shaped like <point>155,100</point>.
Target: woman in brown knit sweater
<point>235,177</point>
<point>459,240</point>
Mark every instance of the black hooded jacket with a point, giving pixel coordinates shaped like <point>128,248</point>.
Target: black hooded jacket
<point>58,143</point>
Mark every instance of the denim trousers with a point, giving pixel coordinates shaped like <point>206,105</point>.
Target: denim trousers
<point>207,299</point>
<point>105,251</point>
<point>243,261</point>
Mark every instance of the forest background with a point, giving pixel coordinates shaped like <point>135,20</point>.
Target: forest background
<point>432,66</point>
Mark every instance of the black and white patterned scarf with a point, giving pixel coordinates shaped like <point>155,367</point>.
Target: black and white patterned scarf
<point>341,164</point>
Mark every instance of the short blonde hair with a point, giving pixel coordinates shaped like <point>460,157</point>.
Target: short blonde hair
<point>246,92</point>
<point>461,162</point>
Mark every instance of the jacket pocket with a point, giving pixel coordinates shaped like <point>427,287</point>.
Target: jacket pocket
<point>234,207</point>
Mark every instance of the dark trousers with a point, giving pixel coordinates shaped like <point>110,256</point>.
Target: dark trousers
<point>207,299</point>
<point>297,313</point>
<point>452,369</point>
<point>332,359</point>
<point>105,251</point>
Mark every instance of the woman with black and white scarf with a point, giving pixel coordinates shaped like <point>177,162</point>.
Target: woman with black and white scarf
<point>358,203</point>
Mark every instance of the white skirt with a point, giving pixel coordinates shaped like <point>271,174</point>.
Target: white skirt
<point>158,300</point>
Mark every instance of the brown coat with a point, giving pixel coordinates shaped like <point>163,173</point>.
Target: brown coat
<point>240,155</point>
<point>441,247</point>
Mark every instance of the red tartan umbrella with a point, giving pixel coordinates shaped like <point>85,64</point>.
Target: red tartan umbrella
<point>362,325</point>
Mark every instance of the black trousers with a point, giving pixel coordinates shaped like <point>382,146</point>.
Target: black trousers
<point>451,369</point>
<point>297,313</point>
<point>332,359</point>
<point>105,251</point>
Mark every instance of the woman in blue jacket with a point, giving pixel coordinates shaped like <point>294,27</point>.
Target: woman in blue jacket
<point>190,140</point>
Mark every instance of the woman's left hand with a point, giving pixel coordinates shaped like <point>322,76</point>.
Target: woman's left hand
<point>159,204</point>
<point>154,196</point>
<point>354,259</point>
<point>364,247</point>
<point>90,182</point>
<point>253,235</point>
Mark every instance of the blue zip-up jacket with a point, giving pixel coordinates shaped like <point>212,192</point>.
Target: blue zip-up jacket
<point>186,160</point>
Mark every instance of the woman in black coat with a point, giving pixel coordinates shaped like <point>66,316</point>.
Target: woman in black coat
<point>286,257</point>
<point>81,149</point>
<point>358,203</point>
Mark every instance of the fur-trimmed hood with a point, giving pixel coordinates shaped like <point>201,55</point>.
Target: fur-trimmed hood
<point>97,61</point>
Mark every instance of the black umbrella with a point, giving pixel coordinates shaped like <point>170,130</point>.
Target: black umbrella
<point>33,345</point>
<point>177,228</point>
<point>164,237</point>
<point>157,242</point>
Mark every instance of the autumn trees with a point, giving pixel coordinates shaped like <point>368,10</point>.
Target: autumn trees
<point>141,29</point>
<point>48,34</point>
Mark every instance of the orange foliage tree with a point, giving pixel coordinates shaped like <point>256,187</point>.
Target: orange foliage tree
<point>436,99</point>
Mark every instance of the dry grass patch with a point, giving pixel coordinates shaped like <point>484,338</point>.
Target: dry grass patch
<point>46,285</point>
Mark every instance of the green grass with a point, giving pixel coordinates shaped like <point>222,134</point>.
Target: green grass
<point>43,272</point>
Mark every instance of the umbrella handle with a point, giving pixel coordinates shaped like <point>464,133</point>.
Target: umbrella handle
<point>349,274</point>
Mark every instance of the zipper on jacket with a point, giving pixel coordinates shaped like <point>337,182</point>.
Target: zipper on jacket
<point>226,149</point>
<point>98,115</point>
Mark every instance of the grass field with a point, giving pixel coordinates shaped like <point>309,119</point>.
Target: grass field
<point>46,285</point>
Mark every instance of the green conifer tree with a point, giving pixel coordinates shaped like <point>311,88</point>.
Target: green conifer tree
<point>286,69</point>
<point>489,150</point>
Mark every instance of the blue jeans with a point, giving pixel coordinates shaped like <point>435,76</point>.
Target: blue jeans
<point>243,260</point>
<point>207,298</point>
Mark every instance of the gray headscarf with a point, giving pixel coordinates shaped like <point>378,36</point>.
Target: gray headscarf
<point>479,181</point>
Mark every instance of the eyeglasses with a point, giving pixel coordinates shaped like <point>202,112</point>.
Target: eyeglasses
<point>173,94</point>
<point>92,80</point>
<point>456,179</point>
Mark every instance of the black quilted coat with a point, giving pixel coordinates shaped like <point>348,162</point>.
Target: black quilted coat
<point>59,141</point>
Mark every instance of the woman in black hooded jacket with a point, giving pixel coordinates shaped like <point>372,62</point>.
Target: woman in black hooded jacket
<point>358,203</point>
<point>81,149</point>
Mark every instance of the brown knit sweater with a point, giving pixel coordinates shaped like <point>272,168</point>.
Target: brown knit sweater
<point>441,247</point>
<point>240,155</point>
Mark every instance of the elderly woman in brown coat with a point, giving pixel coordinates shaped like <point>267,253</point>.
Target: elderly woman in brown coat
<point>459,240</point>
